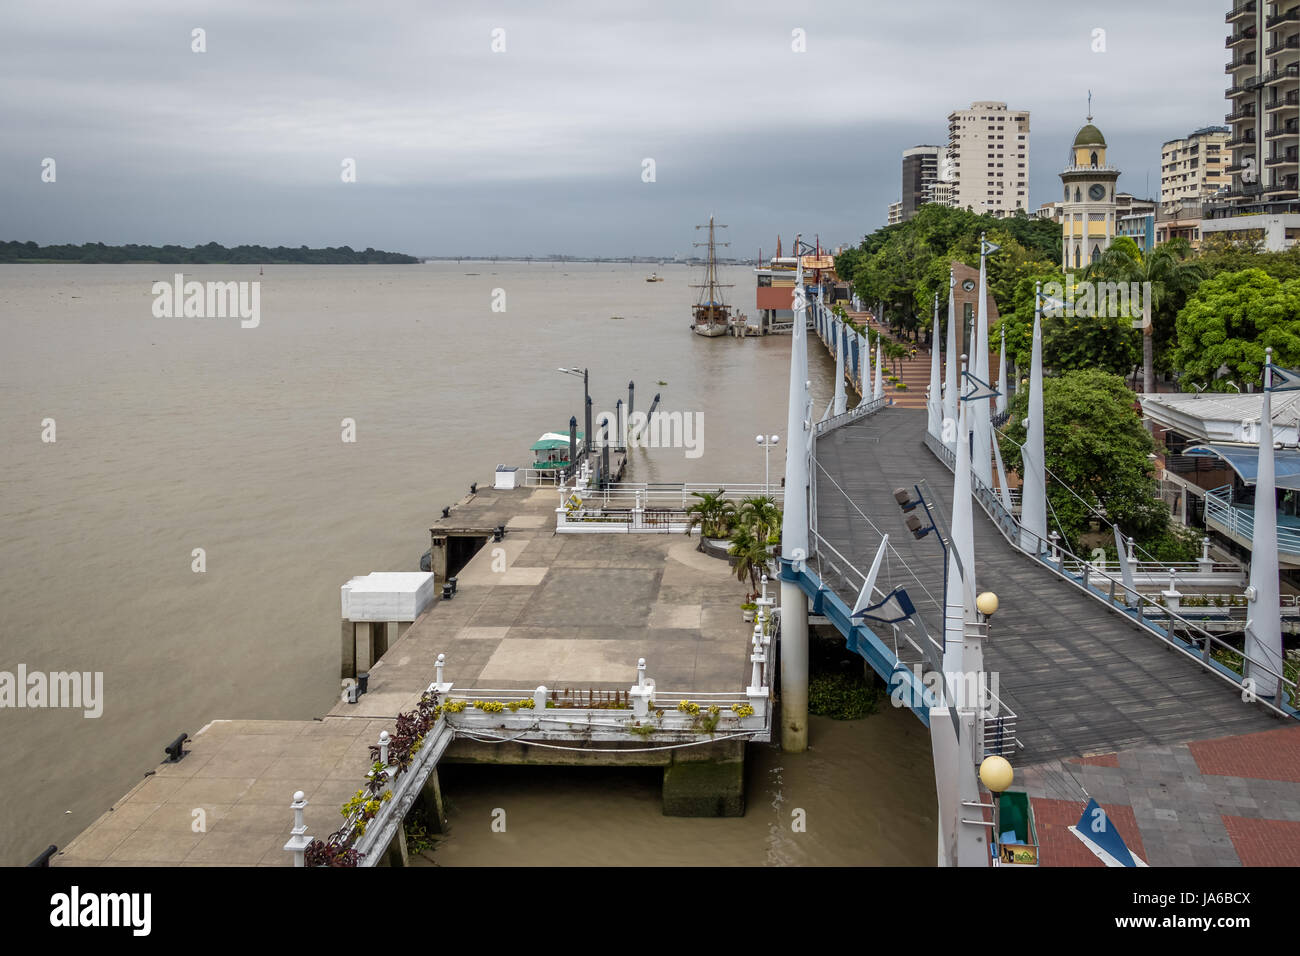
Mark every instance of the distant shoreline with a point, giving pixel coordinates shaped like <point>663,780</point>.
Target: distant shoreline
<point>213,253</point>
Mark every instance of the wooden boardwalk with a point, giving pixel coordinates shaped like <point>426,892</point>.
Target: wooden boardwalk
<point>1081,679</point>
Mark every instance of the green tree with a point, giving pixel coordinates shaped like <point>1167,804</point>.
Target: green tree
<point>1095,443</point>
<point>1169,279</point>
<point>1229,321</point>
<point>751,556</point>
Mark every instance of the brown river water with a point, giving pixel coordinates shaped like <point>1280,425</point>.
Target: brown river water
<point>175,434</point>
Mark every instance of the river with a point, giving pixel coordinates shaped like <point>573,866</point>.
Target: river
<point>181,435</point>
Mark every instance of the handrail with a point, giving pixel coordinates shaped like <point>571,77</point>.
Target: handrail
<point>1051,553</point>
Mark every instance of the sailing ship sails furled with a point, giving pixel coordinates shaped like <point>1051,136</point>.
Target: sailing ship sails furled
<point>711,315</point>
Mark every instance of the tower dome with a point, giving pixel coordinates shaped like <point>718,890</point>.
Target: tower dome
<point>1089,136</point>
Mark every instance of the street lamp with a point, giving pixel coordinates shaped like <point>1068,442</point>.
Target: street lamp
<point>586,404</point>
<point>767,441</point>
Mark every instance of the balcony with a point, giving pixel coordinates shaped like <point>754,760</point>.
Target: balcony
<point>1291,43</point>
<point>1242,37</point>
<point>1292,98</point>
<point>1240,10</point>
<point>1246,112</point>
<point>1279,76</point>
<point>1291,16</point>
<point>1287,158</point>
<point>1276,132</point>
<point>1246,138</point>
<point>1238,62</point>
<point>1238,523</point>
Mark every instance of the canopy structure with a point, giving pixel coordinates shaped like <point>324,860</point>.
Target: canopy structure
<point>1244,460</point>
<point>554,441</point>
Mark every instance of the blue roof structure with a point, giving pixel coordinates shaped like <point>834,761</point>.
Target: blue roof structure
<point>1244,460</point>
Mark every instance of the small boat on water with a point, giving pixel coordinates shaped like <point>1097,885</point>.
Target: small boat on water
<point>711,316</point>
<point>654,277</point>
<point>551,454</point>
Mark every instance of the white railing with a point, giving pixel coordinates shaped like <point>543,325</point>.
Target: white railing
<point>861,410</point>
<point>1239,521</point>
<point>1197,643</point>
<point>642,712</point>
<point>682,494</point>
<point>621,521</point>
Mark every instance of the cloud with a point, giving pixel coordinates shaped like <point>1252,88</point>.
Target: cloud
<point>543,143</point>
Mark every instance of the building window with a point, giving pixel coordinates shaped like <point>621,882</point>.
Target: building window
<point>1094,159</point>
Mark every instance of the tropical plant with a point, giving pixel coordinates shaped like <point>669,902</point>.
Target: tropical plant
<point>762,516</point>
<point>1169,279</point>
<point>751,554</point>
<point>713,514</point>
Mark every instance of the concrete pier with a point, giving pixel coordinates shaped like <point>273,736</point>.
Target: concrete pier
<point>574,612</point>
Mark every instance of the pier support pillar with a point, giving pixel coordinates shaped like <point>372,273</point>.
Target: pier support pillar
<point>430,801</point>
<point>396,854</point>
<point>348,655</point>
<point>706,782</point>
<point>365,645</point>
<point>794,668</point>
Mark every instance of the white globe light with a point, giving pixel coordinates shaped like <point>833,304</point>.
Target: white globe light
<point>775,439</point>
<point>758,439</point>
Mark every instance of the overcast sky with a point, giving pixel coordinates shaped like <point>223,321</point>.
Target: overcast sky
<point>540,148</point>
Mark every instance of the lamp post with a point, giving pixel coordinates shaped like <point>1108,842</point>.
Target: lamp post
<point>767,441</point>
<point>586,405</point>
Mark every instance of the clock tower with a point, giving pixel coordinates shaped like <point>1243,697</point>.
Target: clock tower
<point>1088,209</point>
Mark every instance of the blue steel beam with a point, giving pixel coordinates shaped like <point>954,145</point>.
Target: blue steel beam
<point>863,641</point>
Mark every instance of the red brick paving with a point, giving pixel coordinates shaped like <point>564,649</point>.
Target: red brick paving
<point>1098,760</point>
<point>1268,755</point>
<point>1264,842</point>
<point>1057,846</point>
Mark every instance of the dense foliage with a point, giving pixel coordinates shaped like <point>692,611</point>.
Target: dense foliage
<point>1095,444</point>
<point>905,265</point>
<point>1229,321</point>
<point>212,252</point>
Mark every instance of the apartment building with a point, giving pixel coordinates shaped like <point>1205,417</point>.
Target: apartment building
<point>1263,199</point>
<point>1196,166</point>
<point>988,158</point>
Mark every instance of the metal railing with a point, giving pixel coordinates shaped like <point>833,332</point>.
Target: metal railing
<point>1197,644</point>
<point>1240,521</point>
<point>861,410</point>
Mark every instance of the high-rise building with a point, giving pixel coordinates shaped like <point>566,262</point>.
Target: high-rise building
<point>1088,211</point>
<point>988,158</point>
<point>1195,167</point>
<point>895,213</point>
<point>1263,200</point>
<point>920,173</point>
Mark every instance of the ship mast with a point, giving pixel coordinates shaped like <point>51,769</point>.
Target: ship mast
<point>711,285</point>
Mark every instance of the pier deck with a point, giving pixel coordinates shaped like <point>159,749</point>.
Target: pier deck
<point>568,611</point>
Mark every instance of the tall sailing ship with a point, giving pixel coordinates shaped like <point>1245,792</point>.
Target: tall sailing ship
<point>711,316</point>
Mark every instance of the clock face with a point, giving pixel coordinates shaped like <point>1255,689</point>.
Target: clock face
<point>968,284</point>
<point>1096,192</point>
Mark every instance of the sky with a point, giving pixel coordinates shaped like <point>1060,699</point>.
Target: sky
<point>541,145</point>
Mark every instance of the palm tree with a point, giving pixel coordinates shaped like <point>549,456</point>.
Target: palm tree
<point>713,514</point>
<point>762,517</point>
<point>751,556</point>
<point>1170,278</point>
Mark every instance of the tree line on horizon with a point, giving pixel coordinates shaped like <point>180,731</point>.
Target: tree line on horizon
<point>211,253</point>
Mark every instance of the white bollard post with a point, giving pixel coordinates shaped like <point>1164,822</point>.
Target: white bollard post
<point>442,659</point>
<point>299,840</point>
<point>1205,563</point>
<point>383,747</point>
<point>1172,596</point>
<point>539,699</point>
